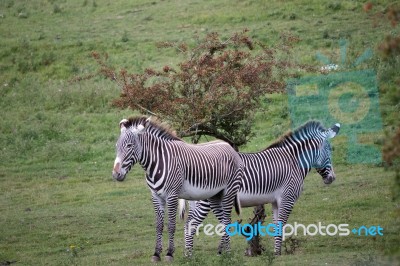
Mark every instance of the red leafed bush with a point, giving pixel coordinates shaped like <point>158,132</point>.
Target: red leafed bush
<point>215,91</point>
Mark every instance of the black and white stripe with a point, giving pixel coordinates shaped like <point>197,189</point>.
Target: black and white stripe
<point>276,175</point>
<point>175,169</point>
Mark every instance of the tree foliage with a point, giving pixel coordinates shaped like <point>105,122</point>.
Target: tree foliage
<point>214,91</point>
<point>389,48</point>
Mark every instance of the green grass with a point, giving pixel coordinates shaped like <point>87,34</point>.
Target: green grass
<point>58,203</point>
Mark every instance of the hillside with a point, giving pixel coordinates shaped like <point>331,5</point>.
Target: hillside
<point>58,202</point>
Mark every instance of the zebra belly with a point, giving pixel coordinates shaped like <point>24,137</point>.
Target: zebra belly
<point>190,192</point>
<point>250,200</point>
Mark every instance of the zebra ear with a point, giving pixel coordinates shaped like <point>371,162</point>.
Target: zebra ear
<point>139,129</point>
<point>147,122</point>
<point>123,125</point>
<point>333,131</point>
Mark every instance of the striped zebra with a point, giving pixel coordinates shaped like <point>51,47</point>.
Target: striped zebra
<point>276,175</point>
<point>175,169</point>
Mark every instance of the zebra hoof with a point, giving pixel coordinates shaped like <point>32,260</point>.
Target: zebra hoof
<point>155,259</point>
<point>169,258</point>
<point>248,252</point>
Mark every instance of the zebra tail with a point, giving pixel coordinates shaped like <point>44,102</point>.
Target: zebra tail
<point>181,208</point>
<point>238,207</point>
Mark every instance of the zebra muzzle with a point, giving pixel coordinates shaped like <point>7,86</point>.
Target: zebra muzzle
<point>118,176</point>
<point>116,173</point>
<point>329,179</point>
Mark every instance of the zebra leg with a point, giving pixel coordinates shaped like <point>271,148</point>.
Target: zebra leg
<point>285,208</point>
<point>159,209</point>
<point>192,206</point>
<point>227,202</point>
<point>218,211</point>
<point>274,212</point>
<point>197,213</point>
<point>227,208</point>
<point>222,212</point>
<point>172,204</point>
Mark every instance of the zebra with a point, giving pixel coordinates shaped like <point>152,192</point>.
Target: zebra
<point>175,169</point>
<point>275,175</point>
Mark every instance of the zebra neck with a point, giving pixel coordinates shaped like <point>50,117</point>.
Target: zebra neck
<point>304,152</point>
<point>154,159</point>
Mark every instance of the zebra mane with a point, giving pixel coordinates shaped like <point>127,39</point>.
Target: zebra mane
<point>153,126</point>
<point>310,126</point>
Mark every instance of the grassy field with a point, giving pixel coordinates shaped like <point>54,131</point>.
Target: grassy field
<point>58,203</point>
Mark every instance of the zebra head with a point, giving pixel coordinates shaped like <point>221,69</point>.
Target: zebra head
<point>128,148</point>
<point>323,162</point>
